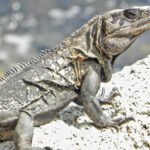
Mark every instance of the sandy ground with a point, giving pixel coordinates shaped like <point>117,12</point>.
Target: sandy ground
<point>64,133</point>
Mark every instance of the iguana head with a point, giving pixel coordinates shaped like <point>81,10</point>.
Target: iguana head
<point>119,29</point>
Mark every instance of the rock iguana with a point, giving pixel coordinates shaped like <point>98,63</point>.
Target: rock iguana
<point>32,93</point>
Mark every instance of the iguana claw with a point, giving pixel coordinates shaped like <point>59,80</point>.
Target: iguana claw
<point>108,100</point>
<point>120,121</point>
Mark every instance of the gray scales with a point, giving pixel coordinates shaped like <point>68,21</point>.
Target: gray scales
<point>32,93</point>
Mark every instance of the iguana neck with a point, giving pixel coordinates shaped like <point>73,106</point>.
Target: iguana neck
<point>85,40</point>
<point>83,46</point>
<point>86,43</point>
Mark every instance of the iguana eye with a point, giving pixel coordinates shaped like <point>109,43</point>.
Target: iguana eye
<point>131,13</point>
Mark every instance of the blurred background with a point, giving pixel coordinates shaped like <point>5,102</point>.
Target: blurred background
<point>28,26</point>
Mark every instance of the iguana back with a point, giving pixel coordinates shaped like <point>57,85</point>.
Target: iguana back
<point>45,81</point>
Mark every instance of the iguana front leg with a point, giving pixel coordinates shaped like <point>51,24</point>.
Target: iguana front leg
<point>91,104</point>
<point>24,132</point>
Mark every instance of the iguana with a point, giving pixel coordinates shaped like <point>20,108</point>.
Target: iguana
<point>32,93</point>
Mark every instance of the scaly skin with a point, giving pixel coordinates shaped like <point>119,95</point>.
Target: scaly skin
<point>33,93</point>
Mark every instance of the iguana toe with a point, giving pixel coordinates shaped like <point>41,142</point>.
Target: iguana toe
<point>115,123</point>
<point>108,99</point>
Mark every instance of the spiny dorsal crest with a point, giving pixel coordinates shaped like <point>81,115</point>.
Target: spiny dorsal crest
<point>79,31</point>
<point>84,27</point>
<point>20,66</point>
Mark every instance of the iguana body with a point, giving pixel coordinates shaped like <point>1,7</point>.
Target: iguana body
<point>33,93</point>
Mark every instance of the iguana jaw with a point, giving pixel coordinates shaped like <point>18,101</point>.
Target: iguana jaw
<point>123,28</point>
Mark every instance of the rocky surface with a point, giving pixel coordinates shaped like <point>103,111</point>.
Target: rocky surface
<point>64,133</point>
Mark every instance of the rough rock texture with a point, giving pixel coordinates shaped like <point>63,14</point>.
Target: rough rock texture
<point>133,83</point>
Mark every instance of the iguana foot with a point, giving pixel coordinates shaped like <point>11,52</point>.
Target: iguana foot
<point>115,123</point>
<point>108,100</point>
<point>109,121</point>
